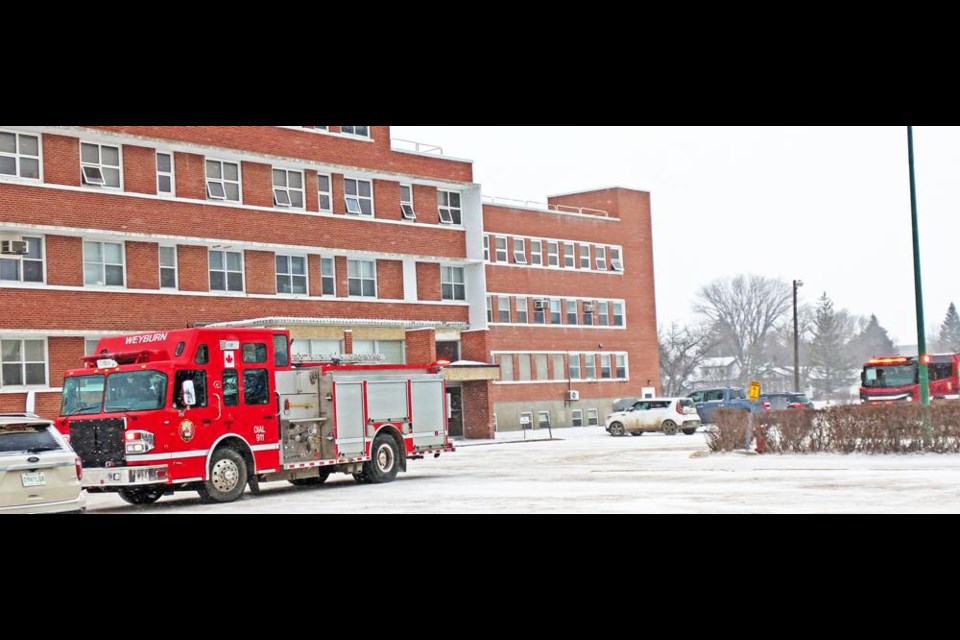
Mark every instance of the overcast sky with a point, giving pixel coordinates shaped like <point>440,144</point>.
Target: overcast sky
<point>826,205</point>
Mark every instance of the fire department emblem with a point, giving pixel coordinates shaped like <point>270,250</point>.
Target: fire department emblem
<point>186,431</point>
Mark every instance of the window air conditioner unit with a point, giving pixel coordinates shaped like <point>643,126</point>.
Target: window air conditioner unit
<point>573,395</point>
<point>13,247</point>
<point>588,307</point>
<point>540,305</point>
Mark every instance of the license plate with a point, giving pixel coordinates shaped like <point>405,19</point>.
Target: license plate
<point>33,479</point>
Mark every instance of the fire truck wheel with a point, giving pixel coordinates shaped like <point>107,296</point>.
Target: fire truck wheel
<point>141,495</point>
<point>228,477</point>
<point>316,481</point>
<point>385,463</point>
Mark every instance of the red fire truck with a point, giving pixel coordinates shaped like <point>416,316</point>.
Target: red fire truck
<point>213,410</point>
<point>895,378</point>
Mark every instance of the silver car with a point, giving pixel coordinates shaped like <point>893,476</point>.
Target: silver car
<point>655,414</point>
<point>39,472</point>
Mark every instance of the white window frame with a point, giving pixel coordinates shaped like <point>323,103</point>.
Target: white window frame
<point>283,193</point>
<point>407,210</point>
<point>593,418</point>
<point>175,268</point>
<point>601,257</point>
<point>585,259</point>
<point>290,275</point>
<point>576,312</point>
<point>616,262</point>
<point>87,342</point>
<point>226,272</point>
<point>20,259</point>
<point>556,313</point>
<point>520,251</point>
<point>569,255</point>
<point>361,278</point>
<point>489,309</point>
<point>17,156</point>
<point>524,367</point>
<point>618,306</point>
<point>222,181</point>
<point>523,317</point>
<point>166,174</point>
<point>508,373</point>
<point>536,252</point>
<point>358,199</point>
<point>328,193</point>
<point>603,313</point>
<point>589,366</point>
<point>617,357</point>
<point>448,279</point>
<point>486,248</point>
<point>553,254</point>
<point>573,359</point>
<point>503,307</point>
<point>332,276</point>
<point>606,364</point>
<point>96,168</point>
<point>367,135</point>
<point>23,362</point>
<point>446,209</point>
<point>576,415</point>
<point>104,264</point>
<point>500,252</point>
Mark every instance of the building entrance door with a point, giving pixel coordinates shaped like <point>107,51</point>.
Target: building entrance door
<point>455,411</point>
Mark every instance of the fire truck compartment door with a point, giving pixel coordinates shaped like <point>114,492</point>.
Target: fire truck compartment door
<point>429,408</point>
<point>349,408</point>
<point>387,402</point>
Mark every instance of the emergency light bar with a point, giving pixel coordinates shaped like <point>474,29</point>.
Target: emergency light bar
<point>888,361</point>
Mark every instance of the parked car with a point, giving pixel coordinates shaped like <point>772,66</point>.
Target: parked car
<point>655,414</point>
<point>709,400</point>
<point>787,400</point>
<point>39,472</point>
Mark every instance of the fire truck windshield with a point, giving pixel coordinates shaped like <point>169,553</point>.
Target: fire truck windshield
<point>900,375</point>
<point>127,391</point>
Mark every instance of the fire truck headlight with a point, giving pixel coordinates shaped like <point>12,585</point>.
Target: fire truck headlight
<point>138,442</point>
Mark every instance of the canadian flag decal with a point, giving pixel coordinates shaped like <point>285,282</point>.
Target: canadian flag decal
<point>229,362</point>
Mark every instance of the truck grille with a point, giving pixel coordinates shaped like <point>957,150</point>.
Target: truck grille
<point>99,443</point>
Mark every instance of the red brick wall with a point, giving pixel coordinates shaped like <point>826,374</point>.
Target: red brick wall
<point>260,269</point>
<point>428,281</point>
<point>64,261</point>
<point>340,270</point>
<point>143,265</point>
<point>47,404</point>
<point>421,346</point>
<point>337,205</point>
<point>193,268</point>
<point>347,342</point>
<point>390,279</point>
<point>313,275</point>
<point>139,169</point>
<point>310,190</point>
<point>386,200</point>
<point>61,160</point>
<point>191,175</point>
<point>257,184</point>
<point>473,345</point>
<point>478,410</point>
<point>63,353</point>
<point>425,204</point>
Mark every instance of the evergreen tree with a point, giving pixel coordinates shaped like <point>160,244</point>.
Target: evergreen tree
<point>872,341</point>
<point>950,331</point>
<point>831,362</point>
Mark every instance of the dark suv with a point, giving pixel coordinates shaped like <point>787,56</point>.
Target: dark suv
<point>779,401</point>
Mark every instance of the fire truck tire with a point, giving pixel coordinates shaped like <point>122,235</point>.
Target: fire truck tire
<point>228,477</point>
<point>385,463</point>
<point>316,481</point>
<point>141,495</point>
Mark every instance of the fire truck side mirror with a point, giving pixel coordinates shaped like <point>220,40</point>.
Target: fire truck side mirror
<point>188,394</point>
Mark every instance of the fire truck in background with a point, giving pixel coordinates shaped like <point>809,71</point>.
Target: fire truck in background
<point>213,410</point>
<point>896,378</point>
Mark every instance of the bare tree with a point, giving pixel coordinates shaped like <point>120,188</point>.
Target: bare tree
<point>745,309</point>
<point>682,350</point>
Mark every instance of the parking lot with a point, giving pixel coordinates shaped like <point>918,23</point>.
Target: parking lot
<point>586,471</point>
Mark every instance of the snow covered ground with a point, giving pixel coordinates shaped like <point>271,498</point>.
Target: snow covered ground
<point>585,470</point>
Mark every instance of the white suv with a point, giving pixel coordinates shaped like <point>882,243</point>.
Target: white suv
<point>655,414</point>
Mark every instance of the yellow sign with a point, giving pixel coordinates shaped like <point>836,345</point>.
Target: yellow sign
<point>754,393</point>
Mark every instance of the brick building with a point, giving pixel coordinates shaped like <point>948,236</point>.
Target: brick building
<point>356,246</point>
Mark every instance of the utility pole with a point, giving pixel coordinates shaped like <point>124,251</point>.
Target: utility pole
<point>796,338</point>
<point>924,376</point>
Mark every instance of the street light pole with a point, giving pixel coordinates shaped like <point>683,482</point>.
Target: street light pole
<point>923,374</point>
<point>796,338</point>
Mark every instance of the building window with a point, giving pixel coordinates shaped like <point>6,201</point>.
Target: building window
<point>226,271</point>
<point>486,248</point>
<point>559,370</point>
<point>621,360</point>
<point>555,311</point>
<point>452,283</point>
<point>574,366</point>
<point>328,280</point>
<point>100,165</point>
<point>166,185</point>
<point>553,257</point>
<point>572,315</point>
<point>618,314</point>
<point>362,278</point>
<point>523,370</point>
<point>363,132</point>
<point>519,251</point>
<point>593,418</point>
<point>540,362</point>
<point>589,366</point>
<point>503,307</point>
<point>168,267</point>
<point>103,264</point>
<point>223,180</point>
<point>506,367</point>
<point>602,314</point>
<point>543,419</point>
<point>536,252</point>
<point>601,253</point>
<point>23,363</point>
<point>539,310</point>
<point>584,256</point>
<point>292,274</point>
<point>316,127</point>
<point>324,196</point>
<point>449,205</point>
<point>577,415</point>
<point>521,304</point>
<point>406,202</point>
<point>616,263</point>
<point>489,308</point>
<point>393,351</point>
<point>288,188</point>
<point>605,366</point>
<point>501,250</point>
<point>569,256</point>
<point>27,267</point>
<point>307,349</point>
<point>588,308</point>
<point>19,155</point>
<point>359,196</point>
